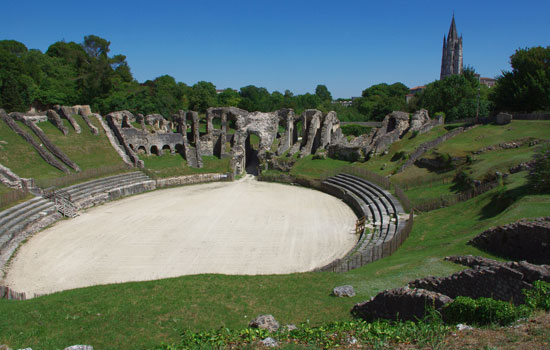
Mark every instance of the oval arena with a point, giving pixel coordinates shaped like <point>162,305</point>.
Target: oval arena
<point>240,227</point>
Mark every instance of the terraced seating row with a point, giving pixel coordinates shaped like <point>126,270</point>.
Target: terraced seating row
<point>381,209</point>
<point>90,193</point>
<point>22,219</point>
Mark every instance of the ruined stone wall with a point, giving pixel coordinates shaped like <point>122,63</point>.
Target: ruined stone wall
<point>191,179</point>
<point>523,240</point>
<point>48,157</point>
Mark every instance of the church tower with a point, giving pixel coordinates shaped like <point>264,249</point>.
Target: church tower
<point>451,61</point>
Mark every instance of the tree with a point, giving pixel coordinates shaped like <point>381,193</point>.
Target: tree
<point>202,95</point>
<point>229,97</point>
<point>95,46</point>
<point>456,96</point>
<point>380,99</point>
<point>527,87</point>
<point>322,92</point>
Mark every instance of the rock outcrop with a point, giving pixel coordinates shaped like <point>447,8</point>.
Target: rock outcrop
<point>265,322</point>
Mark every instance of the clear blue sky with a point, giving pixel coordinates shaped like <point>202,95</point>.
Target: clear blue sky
<point>295,45</point>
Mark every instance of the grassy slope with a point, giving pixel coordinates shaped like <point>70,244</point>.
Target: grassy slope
<point>142,315</point>
<point>175,165</point>
<point>21,157</point>
<point>85,149</point>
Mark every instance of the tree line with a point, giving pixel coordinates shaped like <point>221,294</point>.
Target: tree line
<point>70,73</point>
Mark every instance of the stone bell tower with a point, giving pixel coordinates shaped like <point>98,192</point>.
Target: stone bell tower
<point>451,60</point>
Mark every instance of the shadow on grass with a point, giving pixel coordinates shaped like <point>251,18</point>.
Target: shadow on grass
<point>504,199</point>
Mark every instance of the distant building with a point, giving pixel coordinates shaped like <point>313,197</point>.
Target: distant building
<point>413,91</point>
<point>490,82</point>
<point>451,60</point>
<point>219,91</point>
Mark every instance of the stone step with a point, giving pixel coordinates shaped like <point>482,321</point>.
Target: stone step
<point>13,226</point>
<point>17,207</point>
<point>397,207</point>
<point>371,202</point>
<point>366,210</point>
<point>373,189</point>
<point>14,213</point>
<point>105,186</point>
<point>75,189</point>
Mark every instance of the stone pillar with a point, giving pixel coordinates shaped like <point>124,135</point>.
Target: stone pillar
<point>223,136</point>
<point>195,126</point>
<point>209,126</point>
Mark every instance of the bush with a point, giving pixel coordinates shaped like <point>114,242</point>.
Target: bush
<point>483,311</point>
<point>355,130</point>
<point>538,298</point>
<point>539,176</point>
<point>399,155</point>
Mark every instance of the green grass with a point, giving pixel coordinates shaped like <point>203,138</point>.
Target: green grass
<point>85,149</point>
<point>169,165</point>
<point>314,168</point>
<point>407,144</point>
<point>21,157</point>
<point>486,135</point>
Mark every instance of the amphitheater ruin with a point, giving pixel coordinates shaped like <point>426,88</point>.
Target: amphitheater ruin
<point>219,225</point>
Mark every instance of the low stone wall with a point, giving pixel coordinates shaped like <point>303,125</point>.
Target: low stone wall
<point>523,240</point>
<point>191,179</point>
<point>497,282</point>
<point>132,189</point>
<point>400,304</point>
<point>487,278</point>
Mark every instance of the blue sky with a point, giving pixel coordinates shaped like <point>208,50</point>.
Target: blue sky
<point>295,45</point>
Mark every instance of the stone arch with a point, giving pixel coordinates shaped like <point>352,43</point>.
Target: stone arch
<point>142,150</point>
<point>155,150</point>
<point>179,148</point>
<point>166,148</point>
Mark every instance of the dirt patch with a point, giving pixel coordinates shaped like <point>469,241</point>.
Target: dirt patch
<point>242,227</point>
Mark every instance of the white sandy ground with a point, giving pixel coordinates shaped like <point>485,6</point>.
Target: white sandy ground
<point>241,227</point>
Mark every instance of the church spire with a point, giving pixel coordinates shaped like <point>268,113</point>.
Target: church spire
<point>453,35</point>
<point>451,60</point>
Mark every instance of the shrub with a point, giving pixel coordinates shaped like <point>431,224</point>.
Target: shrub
<point>399,155</point>
<point>538,298</point>
<point>355,129</point>
<point>539,176</point>
<point>483,311</point>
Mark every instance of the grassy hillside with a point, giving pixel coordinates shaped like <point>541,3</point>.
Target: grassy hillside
<point>145,314</point>
<point>85,149</point>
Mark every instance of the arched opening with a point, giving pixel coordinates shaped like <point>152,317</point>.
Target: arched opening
<point>141,150</point>
<point>180,149</point>
<point>131,147</point>
<point>166,149</point>
<point>252,163</point>
<point>391,125</point>
<point>155,150</point>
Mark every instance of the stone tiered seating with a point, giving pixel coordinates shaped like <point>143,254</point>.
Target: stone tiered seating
<point>90,193</point>
<point>380,208</point>
<point>17,219</point>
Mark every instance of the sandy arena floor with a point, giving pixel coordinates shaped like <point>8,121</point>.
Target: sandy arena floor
<point>241,227</point>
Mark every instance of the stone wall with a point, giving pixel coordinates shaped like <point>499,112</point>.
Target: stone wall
<point>486,278</point>
<point>191,179</point>
<point>400,304</point>
<point>523,240</point>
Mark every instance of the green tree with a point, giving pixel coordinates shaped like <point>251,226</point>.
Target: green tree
<point>527,87</point>
<point>380,99</point>
<point>229,97</point>
<point>322,92</point>
<point>456,96</point>
<point>202,95</point>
